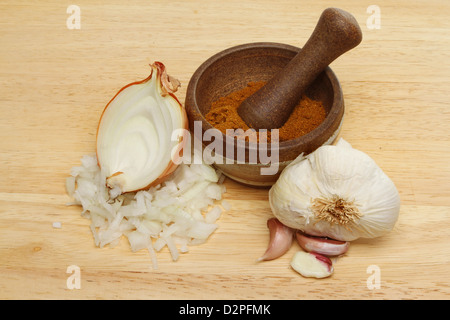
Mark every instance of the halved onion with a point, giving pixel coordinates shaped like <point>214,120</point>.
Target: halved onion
<point>134,135</point>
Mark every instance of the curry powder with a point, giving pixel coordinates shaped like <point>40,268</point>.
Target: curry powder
<point>306,116</point>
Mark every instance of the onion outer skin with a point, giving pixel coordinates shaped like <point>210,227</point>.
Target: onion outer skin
<point>158,69</point>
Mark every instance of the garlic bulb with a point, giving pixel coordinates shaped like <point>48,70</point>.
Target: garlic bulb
<point>337,192</point>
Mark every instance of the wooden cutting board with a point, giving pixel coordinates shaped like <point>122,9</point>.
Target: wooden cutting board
<point>57,72</point>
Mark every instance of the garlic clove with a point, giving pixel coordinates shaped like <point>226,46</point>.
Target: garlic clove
<point>312,265</point>
<point>280,241</point>
<point>321,245</point>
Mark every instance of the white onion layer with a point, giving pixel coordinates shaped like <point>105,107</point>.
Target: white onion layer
<point>134,145</point>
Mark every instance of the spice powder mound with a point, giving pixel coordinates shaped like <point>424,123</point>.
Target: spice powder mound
<point>305,117</point>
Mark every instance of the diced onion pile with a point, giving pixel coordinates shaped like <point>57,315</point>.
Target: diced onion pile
<point>180,212</point>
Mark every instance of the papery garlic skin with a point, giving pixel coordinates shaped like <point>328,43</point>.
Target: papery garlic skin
<point>134,136</point>
<point>336,174</point>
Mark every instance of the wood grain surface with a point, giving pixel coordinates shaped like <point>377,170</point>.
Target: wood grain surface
<point>56,80</point>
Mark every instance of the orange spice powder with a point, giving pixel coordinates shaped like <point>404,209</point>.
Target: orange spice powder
<point>305,117</point>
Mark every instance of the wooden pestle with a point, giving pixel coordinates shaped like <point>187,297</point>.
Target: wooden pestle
<point>336,32</point>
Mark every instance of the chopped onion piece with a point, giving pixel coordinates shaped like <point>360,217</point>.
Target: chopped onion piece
<point>226,205</point>
<point>177,213</point>
<point>213,215</point>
